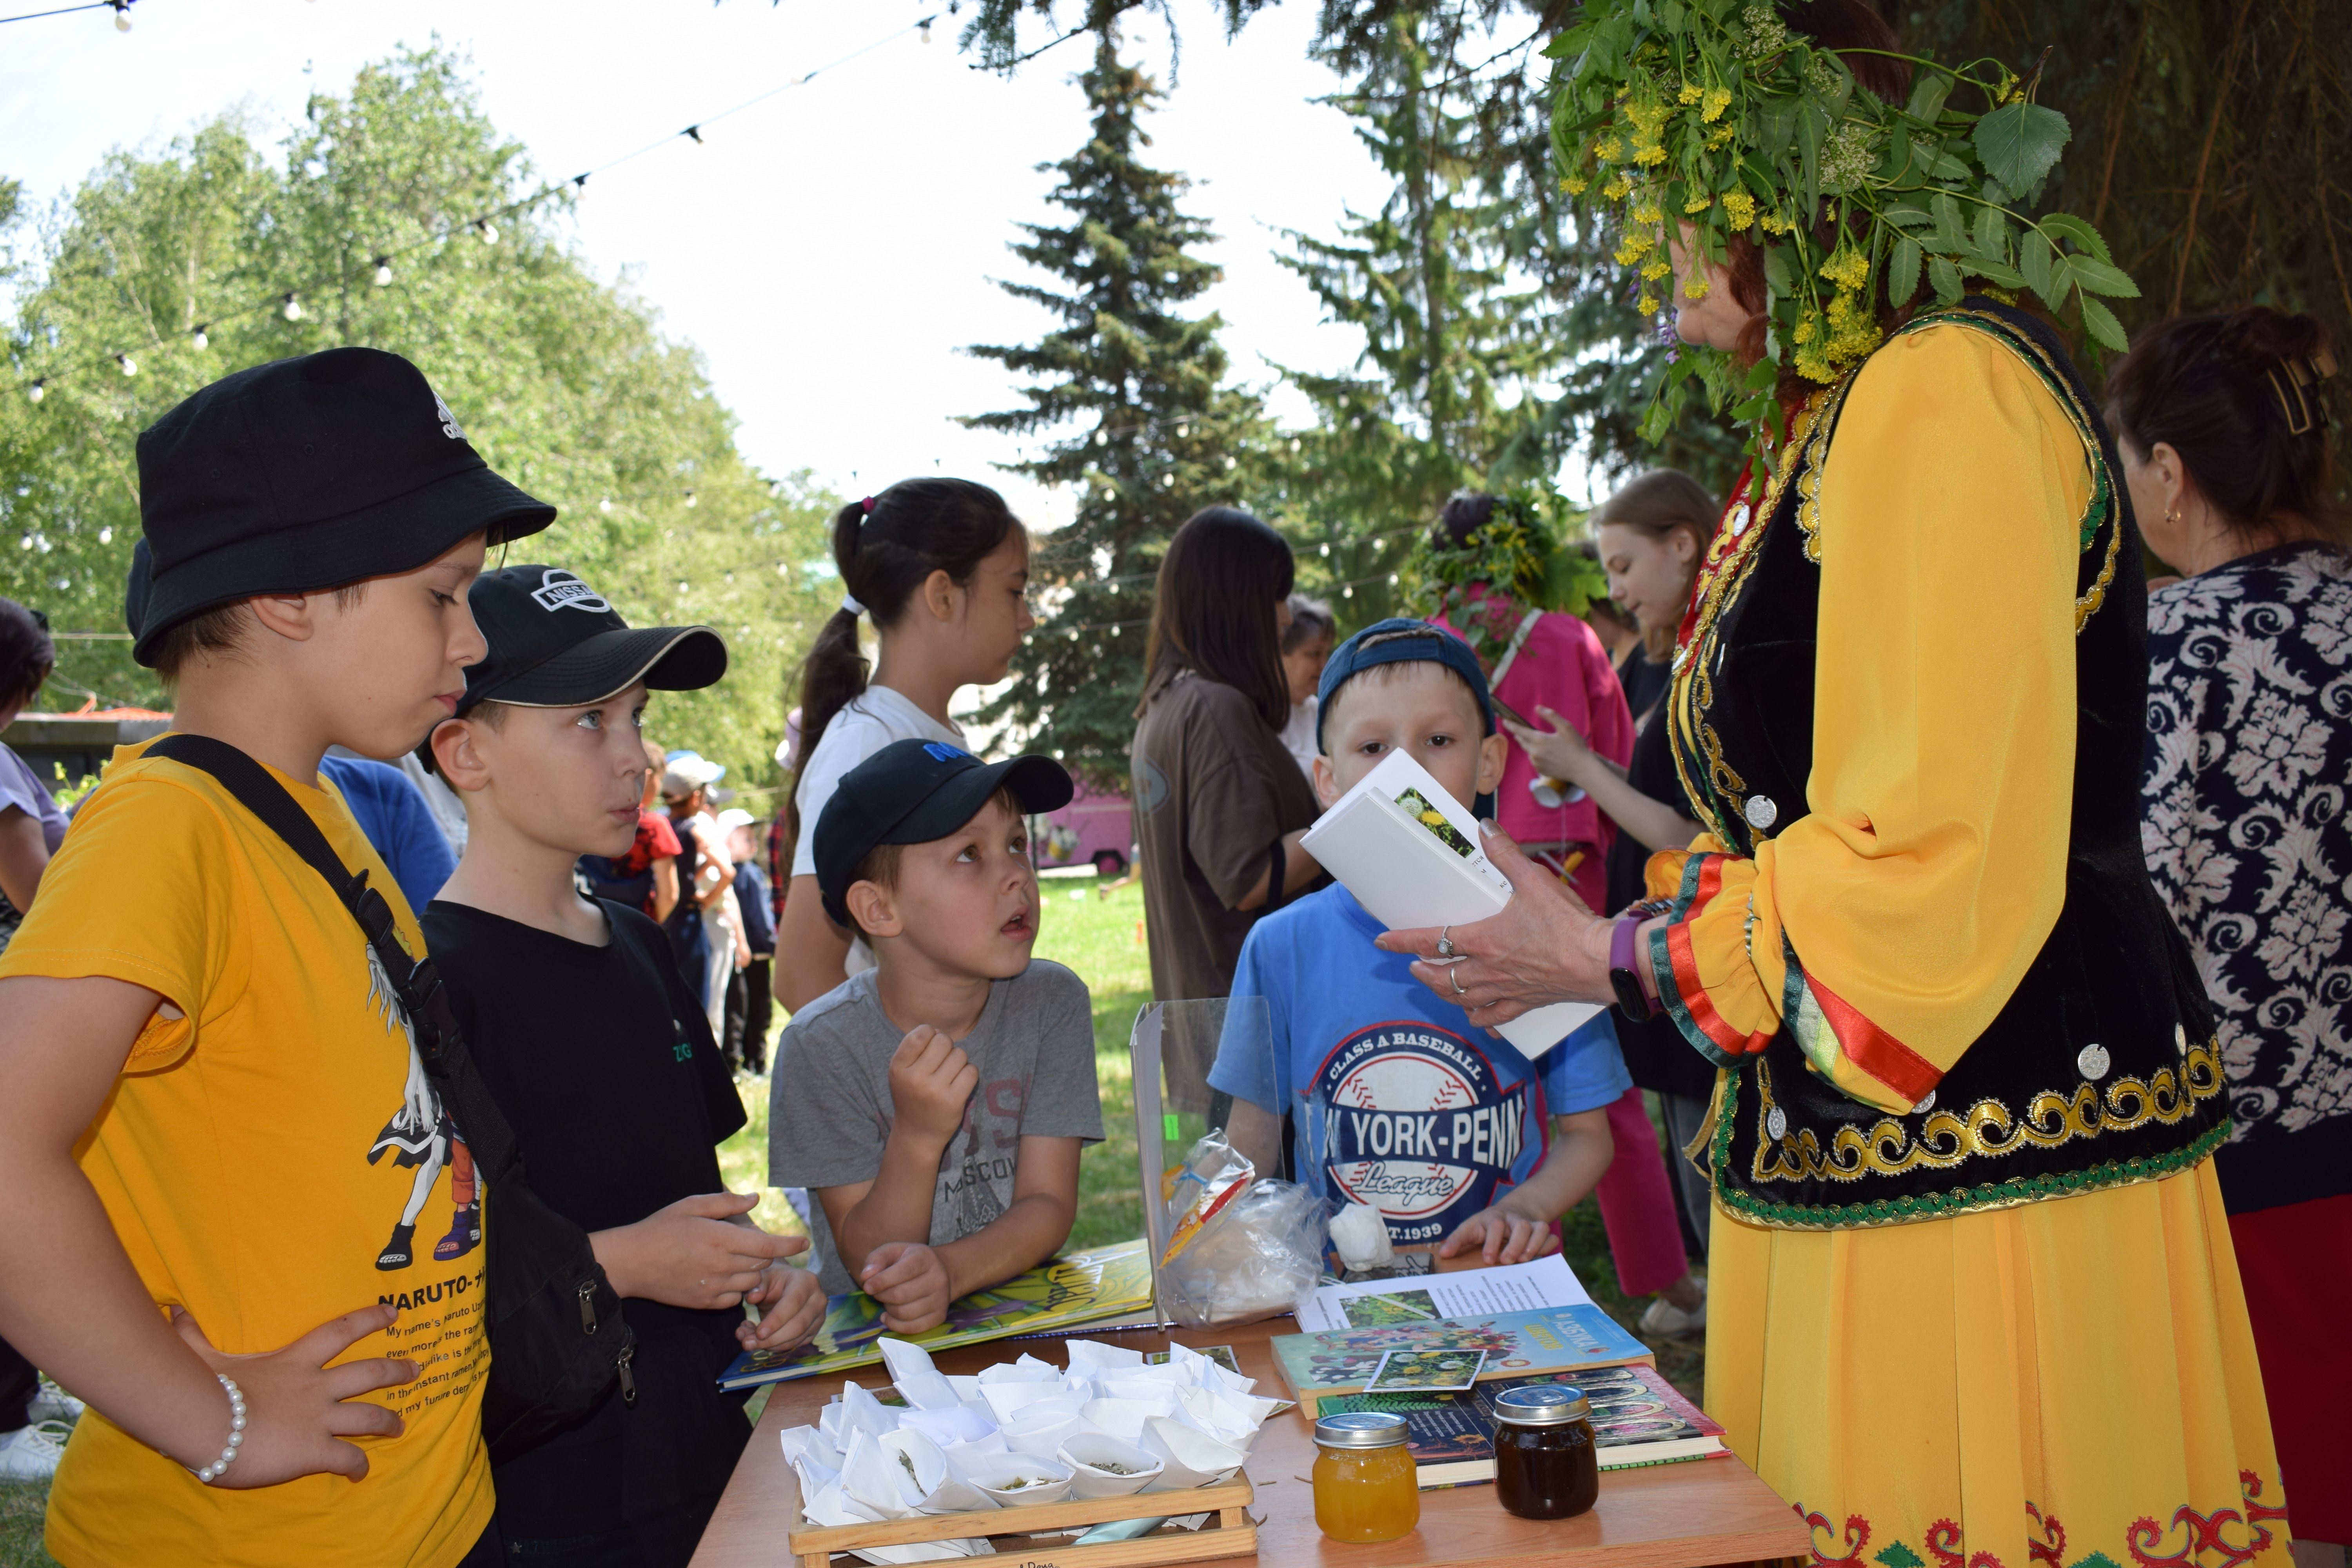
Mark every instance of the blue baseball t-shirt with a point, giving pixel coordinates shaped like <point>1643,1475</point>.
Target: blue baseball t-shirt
<point>1396,1099</point>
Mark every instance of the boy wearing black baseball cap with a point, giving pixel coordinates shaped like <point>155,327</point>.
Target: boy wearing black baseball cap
<point>602,1060</point>
<point>937,1102</point>
<point>203,1071</point>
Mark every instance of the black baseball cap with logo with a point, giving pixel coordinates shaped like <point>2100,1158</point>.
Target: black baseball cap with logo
<point>555,642</point>
<point>305,474</point>
<point>912,792</point>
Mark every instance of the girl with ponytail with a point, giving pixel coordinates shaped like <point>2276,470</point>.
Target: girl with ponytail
<point>942,567</point>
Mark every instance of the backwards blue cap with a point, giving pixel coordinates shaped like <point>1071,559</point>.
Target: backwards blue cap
<point>1399,641</point>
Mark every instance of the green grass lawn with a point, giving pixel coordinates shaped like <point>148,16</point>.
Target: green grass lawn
<point>1100,935</point>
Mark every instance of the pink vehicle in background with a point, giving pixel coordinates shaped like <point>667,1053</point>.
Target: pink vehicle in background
<point>1097,829</point>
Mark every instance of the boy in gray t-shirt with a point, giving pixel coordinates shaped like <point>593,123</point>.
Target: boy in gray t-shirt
<point>936,1104</point>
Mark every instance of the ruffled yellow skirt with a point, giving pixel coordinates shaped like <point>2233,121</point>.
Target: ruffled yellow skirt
<point>2070,1383</point>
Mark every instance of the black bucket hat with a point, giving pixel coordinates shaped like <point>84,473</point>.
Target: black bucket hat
<point>305,474</point>
<point>555,642</point>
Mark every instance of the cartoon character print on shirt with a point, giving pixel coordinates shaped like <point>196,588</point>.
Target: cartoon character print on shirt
<point>1418,1124</point>
<point>420,1135</point>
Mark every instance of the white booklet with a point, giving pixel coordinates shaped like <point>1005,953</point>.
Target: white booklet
<point>1464,1293</point>
<point>1408,852</point>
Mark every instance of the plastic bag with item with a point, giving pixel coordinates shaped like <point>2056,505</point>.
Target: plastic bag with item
<point>1240,1249</point>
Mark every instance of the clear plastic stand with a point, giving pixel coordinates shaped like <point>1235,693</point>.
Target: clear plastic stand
<point>1170,1050</point>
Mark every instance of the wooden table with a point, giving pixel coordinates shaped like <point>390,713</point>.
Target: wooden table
<point>1671,1516</point>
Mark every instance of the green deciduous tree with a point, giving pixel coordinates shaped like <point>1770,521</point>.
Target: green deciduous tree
<point>564,382</point>
<point>1159,433</point>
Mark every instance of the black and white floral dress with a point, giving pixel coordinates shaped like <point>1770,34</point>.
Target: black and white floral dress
<point>2247,826</point>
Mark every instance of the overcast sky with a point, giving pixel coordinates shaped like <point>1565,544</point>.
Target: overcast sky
<point>831,250</point>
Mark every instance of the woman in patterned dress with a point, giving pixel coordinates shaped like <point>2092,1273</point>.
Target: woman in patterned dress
<point>2222,424</point>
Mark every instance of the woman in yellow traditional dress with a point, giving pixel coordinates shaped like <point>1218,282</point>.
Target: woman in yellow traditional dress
<point>1972,1297</point>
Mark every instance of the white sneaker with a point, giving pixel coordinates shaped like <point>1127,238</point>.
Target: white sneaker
<point>1667,1321</point>
<point>30,1454</point>
<point>54,1404</point>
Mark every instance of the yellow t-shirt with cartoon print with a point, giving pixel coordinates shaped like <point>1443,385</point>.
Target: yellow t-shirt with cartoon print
<point>273,1160</point>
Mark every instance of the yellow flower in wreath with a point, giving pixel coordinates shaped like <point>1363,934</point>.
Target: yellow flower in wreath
<point>1847,268</point>
<point>1740,208</point>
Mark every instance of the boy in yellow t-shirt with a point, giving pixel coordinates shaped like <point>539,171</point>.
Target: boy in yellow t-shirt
<point>217,1115</point>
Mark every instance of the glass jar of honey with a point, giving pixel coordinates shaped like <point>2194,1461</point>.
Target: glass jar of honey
<point>1545,1465</point>
<point>1365,1487</point>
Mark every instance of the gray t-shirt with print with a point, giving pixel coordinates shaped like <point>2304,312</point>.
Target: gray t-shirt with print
<point>829,1110</point>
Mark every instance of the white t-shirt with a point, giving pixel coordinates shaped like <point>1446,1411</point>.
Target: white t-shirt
<point>1298,736</point>
<point>863,726</point>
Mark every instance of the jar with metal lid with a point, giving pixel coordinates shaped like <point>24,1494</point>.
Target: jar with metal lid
<point>1546,1463</point>
<point>1365,1485</point>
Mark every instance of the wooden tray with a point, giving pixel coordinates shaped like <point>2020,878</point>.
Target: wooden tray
<point>1229,1533</point>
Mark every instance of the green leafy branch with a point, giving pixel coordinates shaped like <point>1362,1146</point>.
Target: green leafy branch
<point>1693,122</point>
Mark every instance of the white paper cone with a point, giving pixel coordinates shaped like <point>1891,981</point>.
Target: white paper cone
<point>1083,1452</point>
<point>1193,1458</point>
<point>1048,1480</point>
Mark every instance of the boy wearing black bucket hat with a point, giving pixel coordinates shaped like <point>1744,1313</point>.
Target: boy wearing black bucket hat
<point>197,1049</point>
<point>937,1102</point>
<point>602,1062</point>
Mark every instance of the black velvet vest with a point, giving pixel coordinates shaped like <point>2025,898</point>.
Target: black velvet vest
<point>2102,1067</point>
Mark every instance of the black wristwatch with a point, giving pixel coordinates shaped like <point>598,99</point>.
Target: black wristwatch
<point>1623,978</point>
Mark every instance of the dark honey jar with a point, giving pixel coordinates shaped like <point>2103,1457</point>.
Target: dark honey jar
<point>1545,1465</point>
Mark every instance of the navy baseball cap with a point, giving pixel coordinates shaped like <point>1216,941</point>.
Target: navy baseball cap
<point>305,474</point>
<point>555,642</point>
<point>1399,641</point>
<point>912,792</point>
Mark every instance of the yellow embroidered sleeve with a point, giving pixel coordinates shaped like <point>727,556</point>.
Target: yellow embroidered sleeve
<point>1890,923</point>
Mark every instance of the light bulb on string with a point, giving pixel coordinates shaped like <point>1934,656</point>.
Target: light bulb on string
<point>488,230</point>
<point>924,27</point>
<point>36,391</point>
<point>605,505</point>
<point>689,498</point>
<point>200,340</point>
<point>122,16</point>
<point>293,310</point>
<point>382,271</point>
<point>130,366</point>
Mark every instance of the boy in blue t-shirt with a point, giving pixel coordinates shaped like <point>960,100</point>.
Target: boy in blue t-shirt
<point>1396,1100</point>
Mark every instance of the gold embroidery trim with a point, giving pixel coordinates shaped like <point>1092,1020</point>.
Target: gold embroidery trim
<point>1986,1130</point>
<point>1729,560</point>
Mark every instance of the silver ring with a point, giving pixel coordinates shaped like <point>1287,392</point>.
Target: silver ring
<point>1444,942</point>
<point>1455,975</point>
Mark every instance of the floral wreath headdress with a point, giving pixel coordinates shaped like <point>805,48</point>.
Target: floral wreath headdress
<point>1713,113</point>
<point>1511,563</point>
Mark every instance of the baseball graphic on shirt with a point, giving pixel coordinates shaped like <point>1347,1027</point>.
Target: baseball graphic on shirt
<point>1420,1126</point>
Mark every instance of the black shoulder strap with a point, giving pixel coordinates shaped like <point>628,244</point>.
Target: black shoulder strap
<point>440,1041</point>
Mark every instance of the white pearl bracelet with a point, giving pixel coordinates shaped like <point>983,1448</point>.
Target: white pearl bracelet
<point>211,1472</point>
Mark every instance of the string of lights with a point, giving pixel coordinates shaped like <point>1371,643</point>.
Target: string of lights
<point>121,9</point>
<point>484,226</point>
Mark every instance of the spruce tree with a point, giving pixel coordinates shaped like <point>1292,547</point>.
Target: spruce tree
<point>1455,335</point>
<point>1158,434</point>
